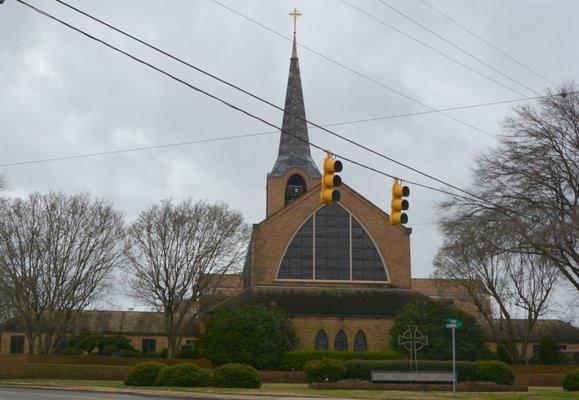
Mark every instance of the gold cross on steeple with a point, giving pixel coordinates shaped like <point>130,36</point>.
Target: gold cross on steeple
<point>295,14</point>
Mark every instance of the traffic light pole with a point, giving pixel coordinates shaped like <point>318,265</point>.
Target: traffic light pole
<point>453,365</point>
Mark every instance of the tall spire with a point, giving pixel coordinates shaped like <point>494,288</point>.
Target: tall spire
<point>294,152</point>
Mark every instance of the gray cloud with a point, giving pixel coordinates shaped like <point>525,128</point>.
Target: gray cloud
<point>63,94</point>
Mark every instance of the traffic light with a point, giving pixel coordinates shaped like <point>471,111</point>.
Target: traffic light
<point>331,181</point>
<point>398,203</point>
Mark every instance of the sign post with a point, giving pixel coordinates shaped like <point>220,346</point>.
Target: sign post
<point>453,324</point>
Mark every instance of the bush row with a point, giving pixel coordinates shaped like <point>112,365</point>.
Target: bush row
<point>296,360</point>
<point>153,373</point>
<point>331,370</point>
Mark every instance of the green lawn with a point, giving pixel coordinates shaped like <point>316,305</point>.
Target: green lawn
<point>302,390</point>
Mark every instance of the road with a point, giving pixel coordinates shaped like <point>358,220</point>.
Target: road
<point>13,393</point>
<point>43,394</point>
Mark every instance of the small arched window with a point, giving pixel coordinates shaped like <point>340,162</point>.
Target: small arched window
<point>321,342</point>
<point>360,343</point>
<point>341,342</point>
<point>295,187</point>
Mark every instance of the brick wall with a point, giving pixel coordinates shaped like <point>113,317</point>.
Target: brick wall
<point>377,330</point>
<point>272,236</point>
<point>275,189</point>
<point>136,341</point>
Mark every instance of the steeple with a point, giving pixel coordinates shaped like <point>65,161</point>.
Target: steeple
<point>292,151</point>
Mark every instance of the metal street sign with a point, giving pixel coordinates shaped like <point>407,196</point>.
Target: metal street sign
<point>452,323</point>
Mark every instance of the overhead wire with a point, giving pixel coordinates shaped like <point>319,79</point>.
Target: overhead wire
<point>466,52</point>
<point>228,104</point>
<point>463,27</point>
<point>381,21</point>
<point>232,137</point>
<point>240,89</point>
<point>352,70</point>
<point>470,196</point>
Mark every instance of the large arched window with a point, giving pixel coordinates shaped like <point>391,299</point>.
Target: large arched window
<point>360,343</point>
<point>321,342</point>
<point>341,342</point>
<point>332,245</point>
<point>295,187</point>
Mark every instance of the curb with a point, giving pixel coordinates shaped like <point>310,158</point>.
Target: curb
<point>155,394</point>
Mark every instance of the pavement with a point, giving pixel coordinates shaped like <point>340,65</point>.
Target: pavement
<point>44,393</point>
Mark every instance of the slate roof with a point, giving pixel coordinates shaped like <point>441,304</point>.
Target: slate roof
<point>560,331</point>
<point>292,151</point>
<point>112,322</point>
<point>326,301</point>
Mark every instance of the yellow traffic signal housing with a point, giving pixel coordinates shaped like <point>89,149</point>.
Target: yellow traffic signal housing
<point>398,203</point>
<point>330,181</point>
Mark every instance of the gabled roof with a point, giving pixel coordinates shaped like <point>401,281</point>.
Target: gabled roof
<point>294,152</point>
<point>558,330</point>
<point>112,322</point>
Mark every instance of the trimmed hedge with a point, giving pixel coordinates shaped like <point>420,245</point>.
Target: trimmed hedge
<point>361,369</point>
<point>144,374</point>
<point>325,370</point>
<point>571,381</point>
<point>183,375</point>
<point>236,376</point>
<point>494,371</point>
<point>296,360</point>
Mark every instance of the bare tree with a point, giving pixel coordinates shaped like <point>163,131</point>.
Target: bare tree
<point>520,284</point>
<point>3,183</point>
<point>172,249</point>
<point>56,255</point>
<point>532,175</point>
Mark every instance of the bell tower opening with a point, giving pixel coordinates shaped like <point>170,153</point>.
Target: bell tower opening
<point>295,187</point>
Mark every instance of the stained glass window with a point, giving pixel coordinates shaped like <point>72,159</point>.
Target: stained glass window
<point>366,262</point>
<point>360,343</point>
<point>321,342</point>
<point>343,249</point>
<point>332,238</point>
<point>341,342</point>
<point>299,257</point>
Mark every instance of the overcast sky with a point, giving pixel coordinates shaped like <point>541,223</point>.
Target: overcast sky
<point>62,94</point>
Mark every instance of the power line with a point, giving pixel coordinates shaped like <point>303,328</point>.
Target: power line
<point>134,149</point>
<point>455,46</point>
<point>180,60</point>
<point>244,91</point>
<point>352,70</point>
<point>230,105</point>
<point>225,138</point>
<point>471,197</point>
<point>454,21</point>
<point>366,13</point>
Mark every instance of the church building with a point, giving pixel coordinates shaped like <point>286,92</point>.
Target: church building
<point>340,271</point>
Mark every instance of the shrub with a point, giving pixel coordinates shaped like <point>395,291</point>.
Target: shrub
<point>571,381</point>
<point>188,353</point>
<point>429,316</point>
<point>548,351</point>
<point>325,370</point>
<point>183,375</point>
<point>236,376</point>
<point>101,344</point>
<point>144,374</point>
<point>250,335</point>
<point>503,351</point>
<point>494,371</point>
<point>360,369</point>
<point>71,351</point>
<point>295,360</point>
